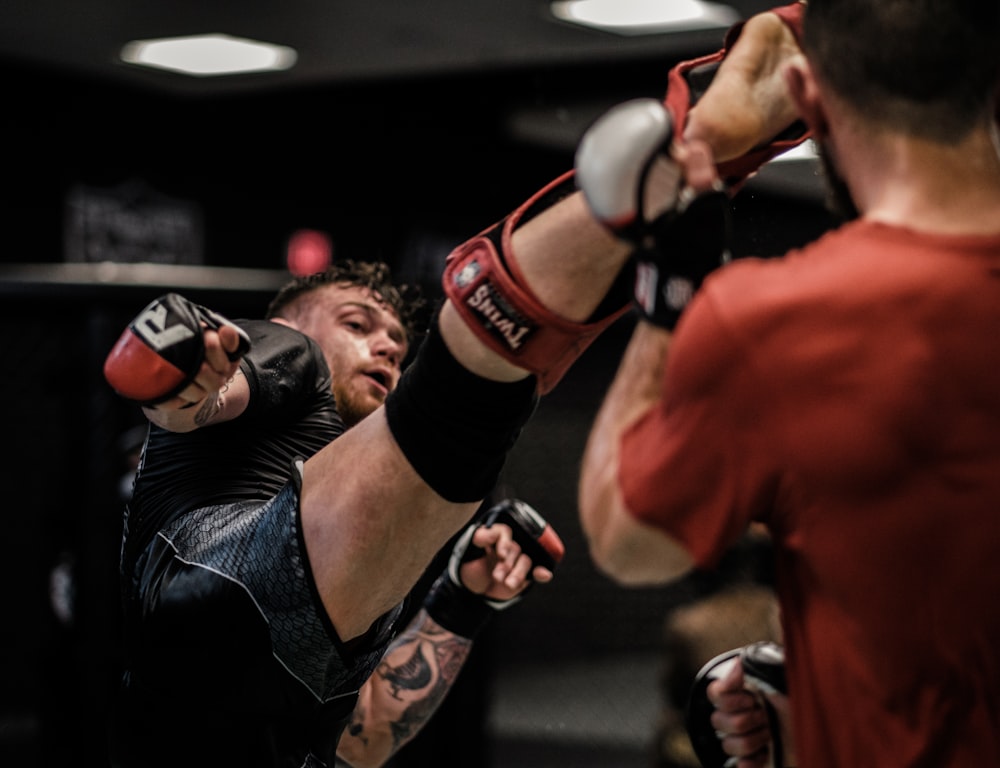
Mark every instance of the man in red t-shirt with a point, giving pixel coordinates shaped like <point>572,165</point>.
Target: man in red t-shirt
<point>844,396</point>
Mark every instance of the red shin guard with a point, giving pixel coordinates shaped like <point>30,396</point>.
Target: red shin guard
<point>484,283</point>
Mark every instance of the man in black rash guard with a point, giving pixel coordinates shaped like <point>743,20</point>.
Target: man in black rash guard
<point>230,657</point>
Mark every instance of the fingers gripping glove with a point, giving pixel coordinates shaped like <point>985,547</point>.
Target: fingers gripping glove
<point>465,613</point>
<point>675,250</point>
<point>162,349</point>
<point>763,672</point>
<point>688,81</point>
<point>484,283</point>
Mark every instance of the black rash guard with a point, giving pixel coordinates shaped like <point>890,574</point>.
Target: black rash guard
<point>291,415</point>
<point>230,658</point>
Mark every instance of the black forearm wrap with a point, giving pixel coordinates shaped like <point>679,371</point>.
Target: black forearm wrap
<point>689,244</point>
<point>454,427</point>
<point>456,609</point>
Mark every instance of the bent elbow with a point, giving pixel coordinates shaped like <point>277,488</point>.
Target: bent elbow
<point>639,556</point>
<point>612,562</point>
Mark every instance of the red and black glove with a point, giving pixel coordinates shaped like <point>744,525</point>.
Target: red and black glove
<point>688,243</point>
<point>675,250</point>
<point>163,348</point>
<point>689,80</point>
<point>763,672</point>
<point>465,613</point>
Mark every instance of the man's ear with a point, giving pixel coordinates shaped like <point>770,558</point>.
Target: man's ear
<point>805,91</point>
<point>284,321</point>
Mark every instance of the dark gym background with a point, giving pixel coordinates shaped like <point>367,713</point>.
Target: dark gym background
<point>209,188</point>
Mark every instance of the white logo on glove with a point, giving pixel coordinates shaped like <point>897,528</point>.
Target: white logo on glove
<point>677,292</point>
<point>150,326</point>
<point>646,277</point>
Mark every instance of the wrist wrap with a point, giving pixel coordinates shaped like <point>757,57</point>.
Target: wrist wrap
<point>456,609</point>
<point>688,245</point>
<point>763,671</point>
<point>465,613</point>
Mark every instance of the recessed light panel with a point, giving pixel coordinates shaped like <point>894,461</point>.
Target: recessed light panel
<point>208,55</point>
<point>645,17</point>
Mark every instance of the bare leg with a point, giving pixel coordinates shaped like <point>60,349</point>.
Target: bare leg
<point>370,522</point>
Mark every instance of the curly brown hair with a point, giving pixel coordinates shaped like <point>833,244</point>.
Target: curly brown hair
<point>406,301</point>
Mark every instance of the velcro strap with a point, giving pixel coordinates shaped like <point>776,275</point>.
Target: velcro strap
<point>482,280</point>
<point>688,81</point>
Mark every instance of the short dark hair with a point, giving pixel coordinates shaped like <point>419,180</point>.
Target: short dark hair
<point>406,301</point>
<point>929,67</point>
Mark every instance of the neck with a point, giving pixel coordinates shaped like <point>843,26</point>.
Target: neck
<point>923,185</point>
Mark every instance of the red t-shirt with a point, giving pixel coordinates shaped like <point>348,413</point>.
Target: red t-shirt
<point>848,396</point>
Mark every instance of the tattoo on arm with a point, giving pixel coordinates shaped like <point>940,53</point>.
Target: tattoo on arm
<point>357,725</point>
<point>419,671</point>
<point>211,406</point>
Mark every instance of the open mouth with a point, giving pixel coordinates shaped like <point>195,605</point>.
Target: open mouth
<point>379,378</point>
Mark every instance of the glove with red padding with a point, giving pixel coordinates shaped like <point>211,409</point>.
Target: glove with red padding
<point>763,672</point>
<point>688,81</point>
<point>162,349</point>
<point>615,156</point>
<point>465,613</point>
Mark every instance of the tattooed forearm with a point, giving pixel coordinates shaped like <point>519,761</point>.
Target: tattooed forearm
<point>357,725</point>
<point>419,672</point>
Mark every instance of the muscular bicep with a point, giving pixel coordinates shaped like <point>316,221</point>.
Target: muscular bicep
<point>628,550</point>
<point>699,467</point>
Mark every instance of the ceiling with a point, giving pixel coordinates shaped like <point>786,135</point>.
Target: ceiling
<point>399,114</point>
<point>340,42</point>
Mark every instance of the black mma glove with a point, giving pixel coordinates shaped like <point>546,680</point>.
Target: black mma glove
<point>675,249</point>
<point>763,672</point>
<point>686,245</point>
<point>465,613</point>
<point>162,349</point>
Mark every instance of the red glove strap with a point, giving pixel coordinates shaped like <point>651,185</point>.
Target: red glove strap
<point>682,94</point>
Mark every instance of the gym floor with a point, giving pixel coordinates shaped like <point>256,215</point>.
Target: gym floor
<point>581,714</point>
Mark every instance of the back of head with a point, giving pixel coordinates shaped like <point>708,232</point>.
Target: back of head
<point>930,68</point>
